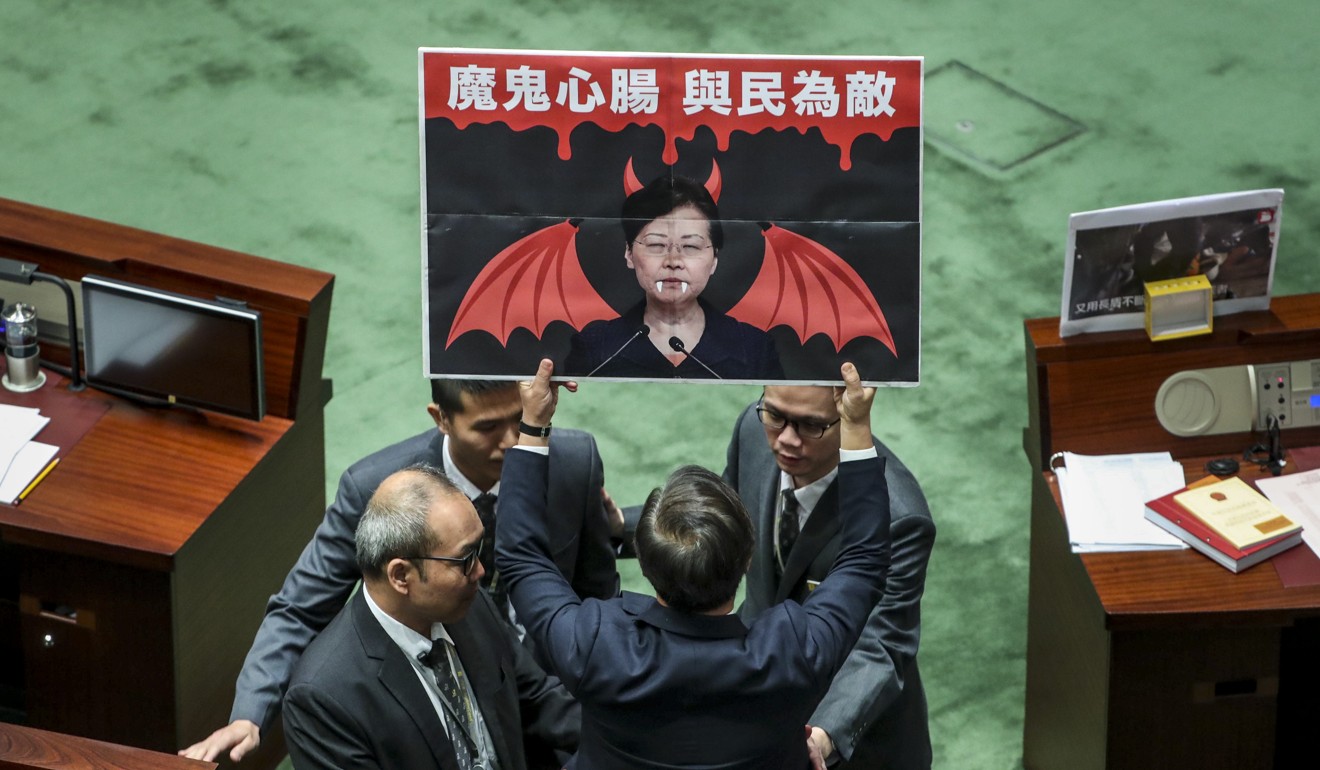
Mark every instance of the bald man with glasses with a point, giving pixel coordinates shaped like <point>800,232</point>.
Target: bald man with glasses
<point>420,670</point>
<point>783,460</point>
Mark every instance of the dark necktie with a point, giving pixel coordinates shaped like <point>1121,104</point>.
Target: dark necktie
<point>485,505</point>
<point>454,694</point>
<point>788,529</point>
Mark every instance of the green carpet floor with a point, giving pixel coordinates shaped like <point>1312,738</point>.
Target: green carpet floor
<point>289,130</point>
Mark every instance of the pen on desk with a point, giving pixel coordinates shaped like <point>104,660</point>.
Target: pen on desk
<point>28,489</point>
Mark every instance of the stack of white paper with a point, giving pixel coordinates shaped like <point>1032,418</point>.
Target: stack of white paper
<point>21,458</point>
<point>1298,495</point>
<point>1104,499</point>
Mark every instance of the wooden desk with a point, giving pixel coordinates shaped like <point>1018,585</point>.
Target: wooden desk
<point>146,557</point>
<point>22,748</point>
<point>1158,659</point>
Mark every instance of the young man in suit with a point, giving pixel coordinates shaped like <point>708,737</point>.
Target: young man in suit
<point>874,715</point>
<point>678,681</point>
<point>420,670</point>
<point>476,423</point>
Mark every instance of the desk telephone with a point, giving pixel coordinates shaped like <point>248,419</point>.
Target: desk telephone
<point>1237,399</point>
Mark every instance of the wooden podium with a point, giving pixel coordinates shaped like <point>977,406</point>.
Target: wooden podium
<point>1159,659</point>
<point>145,559</point>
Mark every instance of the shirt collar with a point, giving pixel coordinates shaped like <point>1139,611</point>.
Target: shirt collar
<point>809,495</point>
<point>461,481</point>
<point>414,645</point>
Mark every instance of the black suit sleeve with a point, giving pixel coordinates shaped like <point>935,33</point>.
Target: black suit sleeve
<point>578,471</point>
<point>873,678</point>
<point>551,719</point>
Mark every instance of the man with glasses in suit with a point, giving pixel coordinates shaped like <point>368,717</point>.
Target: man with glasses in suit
<point>476,422</point>
<point>420,669</point>
<point>783,459</point>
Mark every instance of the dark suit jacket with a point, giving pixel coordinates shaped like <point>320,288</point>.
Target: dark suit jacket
<point>875,710</point>
<point>733,349</point>
<point>666,689</point>
<point>321,581</point>
<point>355,701</point>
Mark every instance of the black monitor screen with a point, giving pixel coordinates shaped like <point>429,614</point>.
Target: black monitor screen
<point>161,345</point>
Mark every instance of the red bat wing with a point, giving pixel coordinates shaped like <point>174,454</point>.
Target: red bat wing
<point>534,281</point>
<point>810,289</point>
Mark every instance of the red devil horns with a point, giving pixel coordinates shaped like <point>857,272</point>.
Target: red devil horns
<point>714,183</point>
<point>631,183</point>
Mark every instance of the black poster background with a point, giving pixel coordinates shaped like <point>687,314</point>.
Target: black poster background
<point>869,215</point>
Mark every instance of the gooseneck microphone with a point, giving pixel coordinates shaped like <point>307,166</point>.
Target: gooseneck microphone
<point>642,331</point>
<point>679,347</point>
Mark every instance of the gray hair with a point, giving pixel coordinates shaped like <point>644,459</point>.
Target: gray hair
<point>394,524</point>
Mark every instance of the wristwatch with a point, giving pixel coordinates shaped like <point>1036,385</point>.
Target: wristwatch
<point>533,430</point>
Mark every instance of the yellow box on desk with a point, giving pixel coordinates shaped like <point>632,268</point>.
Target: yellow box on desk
<point>1179,307</point>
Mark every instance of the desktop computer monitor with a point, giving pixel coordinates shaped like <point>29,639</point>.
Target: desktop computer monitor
<point>158,345</point>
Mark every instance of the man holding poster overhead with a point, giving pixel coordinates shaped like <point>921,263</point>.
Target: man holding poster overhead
<point>677,680</point>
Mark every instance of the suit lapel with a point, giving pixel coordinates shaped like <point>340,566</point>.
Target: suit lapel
<point>398,677</point>
<point>822,525</point>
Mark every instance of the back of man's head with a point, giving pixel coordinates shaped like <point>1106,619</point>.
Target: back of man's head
<point>394,523</point>
<point>694,540</point>
<point>448,394</point>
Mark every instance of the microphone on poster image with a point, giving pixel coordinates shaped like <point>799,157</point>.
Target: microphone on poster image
<point>642,331</point>
<point>679,347</point>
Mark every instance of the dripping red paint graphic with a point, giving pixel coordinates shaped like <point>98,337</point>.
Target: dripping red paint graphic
<point>844,99</point>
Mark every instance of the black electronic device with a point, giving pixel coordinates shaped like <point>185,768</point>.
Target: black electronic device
<point>163,346</point>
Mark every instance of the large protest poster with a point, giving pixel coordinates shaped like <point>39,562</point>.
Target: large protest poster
<point>653,216</point>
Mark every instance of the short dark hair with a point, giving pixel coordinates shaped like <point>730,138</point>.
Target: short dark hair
<point>395,524</point>
<point>663,195</point>
<point>448,394</point>
<point>694,540</point>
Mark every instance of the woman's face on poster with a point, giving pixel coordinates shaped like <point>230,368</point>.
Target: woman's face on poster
<point>673,257</point>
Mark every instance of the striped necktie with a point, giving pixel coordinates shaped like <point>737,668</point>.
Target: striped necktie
<point>787,528</point>
<point>459,707</point>
<point>485,505</point>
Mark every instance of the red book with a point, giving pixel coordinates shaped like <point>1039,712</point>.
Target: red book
<point>1167,514</point>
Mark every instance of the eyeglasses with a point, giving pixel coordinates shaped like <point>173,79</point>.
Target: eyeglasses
<point>659,247</point>
<point>467,562</point>
<point>804,428</point>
